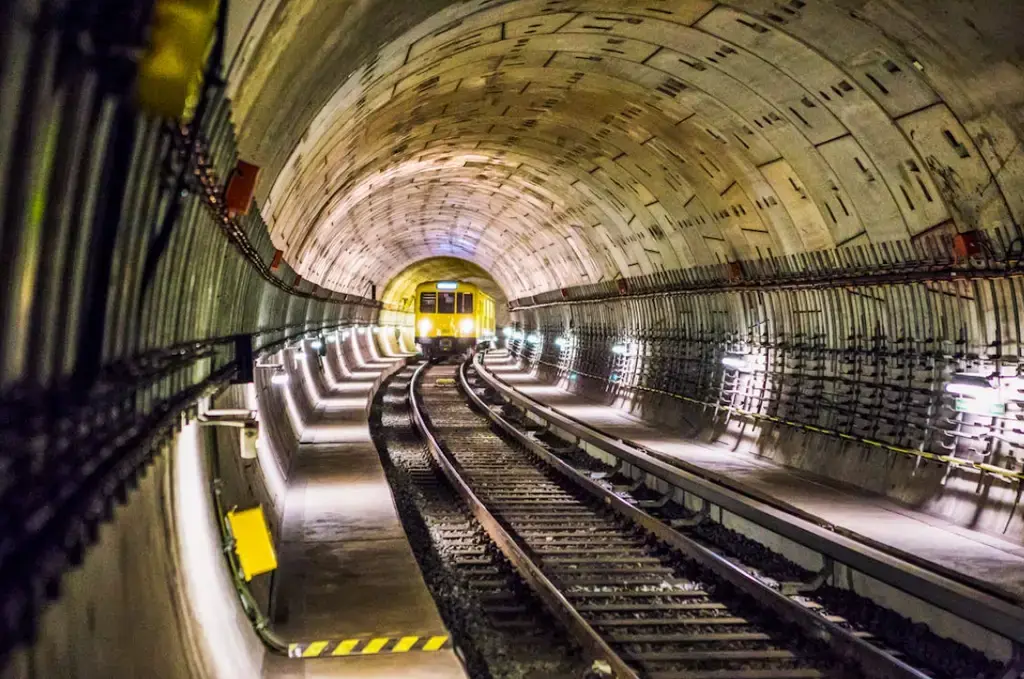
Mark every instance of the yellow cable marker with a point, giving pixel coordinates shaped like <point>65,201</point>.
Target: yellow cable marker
<point>404,644</point>
<point>314,649</point>
<point>345,647</point>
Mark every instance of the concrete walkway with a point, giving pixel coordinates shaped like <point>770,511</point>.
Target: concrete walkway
<point>346,567</point>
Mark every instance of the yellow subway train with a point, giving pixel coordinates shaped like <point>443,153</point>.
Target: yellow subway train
<point>451,317</point>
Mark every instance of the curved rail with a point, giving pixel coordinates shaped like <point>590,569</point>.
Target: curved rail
<point>876,662</point>
<point>556,603</point>
<point>963,599</point>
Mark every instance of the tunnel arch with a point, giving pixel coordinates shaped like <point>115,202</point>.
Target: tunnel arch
<point>570,143</point>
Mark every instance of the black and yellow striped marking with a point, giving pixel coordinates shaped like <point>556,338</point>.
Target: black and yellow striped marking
<point>368,646</point>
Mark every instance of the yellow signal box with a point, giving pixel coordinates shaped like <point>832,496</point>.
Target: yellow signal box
<point>253,544</point>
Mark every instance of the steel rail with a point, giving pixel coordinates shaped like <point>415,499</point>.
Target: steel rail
<point>876,662</point>
<point>517,554</point>
<point>964,600</point>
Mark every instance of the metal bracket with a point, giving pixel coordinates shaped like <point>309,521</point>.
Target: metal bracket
<point>805,587</point>
<point>700,517</point>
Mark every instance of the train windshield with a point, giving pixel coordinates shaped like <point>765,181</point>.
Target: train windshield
<point>446,303</point>
<point>428,302</point>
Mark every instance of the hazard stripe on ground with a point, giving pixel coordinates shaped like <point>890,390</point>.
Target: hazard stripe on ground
<point>368,646</point>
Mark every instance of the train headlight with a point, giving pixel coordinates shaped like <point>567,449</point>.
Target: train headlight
<point>466,326</point>
<point>425,326</point>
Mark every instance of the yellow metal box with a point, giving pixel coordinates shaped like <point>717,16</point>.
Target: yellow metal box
<point>253,545</point>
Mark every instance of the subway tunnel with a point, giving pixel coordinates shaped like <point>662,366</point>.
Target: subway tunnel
<point>775,243</point>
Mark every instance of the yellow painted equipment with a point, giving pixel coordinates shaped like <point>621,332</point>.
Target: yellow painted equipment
<point>253,545</point>
<point>171,70</point>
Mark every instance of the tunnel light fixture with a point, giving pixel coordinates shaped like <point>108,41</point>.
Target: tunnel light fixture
<point>975,386</point>
<point>620,349</point>
<point>279,378</point>
<point>518,335</point>
<point>977,395</point>
<point>561,342</point>
<point>447,285</point>
<point>332,338</point>
<point>316,345</point>
<point>736,362</point>
<point>533,338</point>
<point>507,331</point>
<point>344,335</point>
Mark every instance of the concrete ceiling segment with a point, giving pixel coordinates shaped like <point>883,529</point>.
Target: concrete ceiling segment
<point>563,142</point>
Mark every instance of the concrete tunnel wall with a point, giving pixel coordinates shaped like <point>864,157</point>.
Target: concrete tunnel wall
<point>877,377</point>
<point>564,145</point>
<point>568,144</point>
<point>154,597</point>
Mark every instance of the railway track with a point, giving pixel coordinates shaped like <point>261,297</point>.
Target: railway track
<point>637,594</point>
<point>496,621</point>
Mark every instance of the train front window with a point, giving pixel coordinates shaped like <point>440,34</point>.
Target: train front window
<point>428,302</point>
<point>466,303</point>
<point>446,303</point>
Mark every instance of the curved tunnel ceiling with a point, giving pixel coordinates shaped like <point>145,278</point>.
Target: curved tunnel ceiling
<point>402,287</point>
<point>558,142</point>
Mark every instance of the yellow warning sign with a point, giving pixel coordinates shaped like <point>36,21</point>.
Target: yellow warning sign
<point>369,646</point>
<point>253,545</point>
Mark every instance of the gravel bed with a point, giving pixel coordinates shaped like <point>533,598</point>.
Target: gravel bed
<point>437,524</point>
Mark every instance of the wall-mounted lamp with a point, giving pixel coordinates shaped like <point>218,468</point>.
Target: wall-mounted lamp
<point>620,349</point>
<point>507,331</point>
<point>976,394</point>
<point>561,342</point>
<point>316,345</point>
<point>736,362</point>
<point>533,338</point>
<point>974,386</point>
<point>517,335</point>
<point>332,338</point>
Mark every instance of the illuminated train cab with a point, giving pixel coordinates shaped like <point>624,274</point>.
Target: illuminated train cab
<point>451,317</point>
